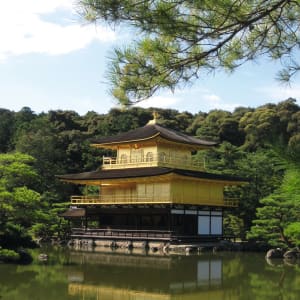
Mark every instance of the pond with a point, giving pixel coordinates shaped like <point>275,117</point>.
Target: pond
<point>118,275</point>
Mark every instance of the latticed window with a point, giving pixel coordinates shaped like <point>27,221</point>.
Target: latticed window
<point>162,157</point>
<point>149,156</point>
<point>123,159</point>
<point>136,155</point>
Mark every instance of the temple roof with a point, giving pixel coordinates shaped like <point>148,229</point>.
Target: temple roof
<point>145,172</point>
<point>151,131</point>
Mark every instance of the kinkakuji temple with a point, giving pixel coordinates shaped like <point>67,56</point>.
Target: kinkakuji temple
<point>153,190</point>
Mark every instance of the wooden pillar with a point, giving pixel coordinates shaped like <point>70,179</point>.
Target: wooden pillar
<point>85,220</point>
<point>136,221</point>
<point>222,210</point>
<point>170,219</point>
<point>184,229</point>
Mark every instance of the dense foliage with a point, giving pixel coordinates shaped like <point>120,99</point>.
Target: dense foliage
<point>278,218</point>
<point>262,144</point>
<point>180,40</point>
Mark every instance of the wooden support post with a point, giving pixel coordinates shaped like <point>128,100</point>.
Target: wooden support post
<point>85,221</point>
<point>170,219</point>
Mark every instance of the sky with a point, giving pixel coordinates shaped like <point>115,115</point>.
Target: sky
<point>50,59</point>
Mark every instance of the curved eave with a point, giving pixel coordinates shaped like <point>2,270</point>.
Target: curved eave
<point>158,137</point>
<point>224,182</point>
<point>210,177</point>
<point>147,174</point>
<point>124,175</point>
<point>115,144</point>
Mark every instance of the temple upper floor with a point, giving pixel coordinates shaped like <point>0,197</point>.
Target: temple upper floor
<point>153,145</point>
<point>153,156</point>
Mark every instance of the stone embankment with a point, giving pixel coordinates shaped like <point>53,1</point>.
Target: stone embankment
<point>165,247</point>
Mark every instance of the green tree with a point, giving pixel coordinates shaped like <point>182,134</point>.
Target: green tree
<point>262,169</point>
<point>6,129</point>
<point>260,126</point>
<point>19,205</point>
<point>233,225</point>
<point>277,220</point>
<point>24,213</point>
<point>270,124</point>
<point>198,119</point>
<point>292,231</point>
<point>210,127</point>
<point>179,40</point>
<point>16,171</point>
<point>272,219</point>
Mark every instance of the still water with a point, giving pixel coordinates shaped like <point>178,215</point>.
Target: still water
<point>120,276</point>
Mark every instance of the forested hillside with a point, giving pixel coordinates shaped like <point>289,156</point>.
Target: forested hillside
<point>262,144</point>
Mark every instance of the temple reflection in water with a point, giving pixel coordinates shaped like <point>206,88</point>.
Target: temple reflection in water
<point>115,276</point>
<point>136,277</point>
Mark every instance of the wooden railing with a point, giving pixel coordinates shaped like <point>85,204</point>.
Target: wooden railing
<point>118,233</point>
<point>231,202</point>
<point>113,199</point>
<point>152,199</point>
<point>138,234</point>
<point>180,162</point>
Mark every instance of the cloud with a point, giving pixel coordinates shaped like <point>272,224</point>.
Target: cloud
<point>163,101</point>
<point>212,99</point>
<point>279,93</point>
<point>215,102</point>
<point>41,100</point>
<point>195,98</point>
<point>24,30</point>
<point>204,99</point>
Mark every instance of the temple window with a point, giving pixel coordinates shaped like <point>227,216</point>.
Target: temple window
<point>123,159</point>
<point>162,156</point>
<point>136,155</point>
<point>149,156</point>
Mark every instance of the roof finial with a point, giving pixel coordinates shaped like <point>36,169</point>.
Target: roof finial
<point>155,118</point>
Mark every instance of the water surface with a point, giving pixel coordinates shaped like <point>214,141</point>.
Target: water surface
<point>124,276</point>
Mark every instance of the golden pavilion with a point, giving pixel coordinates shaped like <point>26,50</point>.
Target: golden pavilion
<point>154,189</point>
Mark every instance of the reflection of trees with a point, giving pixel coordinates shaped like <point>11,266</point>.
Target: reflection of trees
<point>279,282</point>
<point>33,283</point>
<point>233,268</point>
<point>255,279</point>
<point>229,276</point>
<point>36,281</point>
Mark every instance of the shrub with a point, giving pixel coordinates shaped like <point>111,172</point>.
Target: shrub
<point>7,255</point>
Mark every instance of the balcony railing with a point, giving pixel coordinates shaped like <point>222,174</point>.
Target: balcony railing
<point>153,199</point>
<point>122,233</point>
<point>139,234</point>
<point>113,199</point>
<point>159,160</point>
<point>231,202</point>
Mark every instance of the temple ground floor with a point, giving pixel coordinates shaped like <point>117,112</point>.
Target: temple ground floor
<point>145,223</point>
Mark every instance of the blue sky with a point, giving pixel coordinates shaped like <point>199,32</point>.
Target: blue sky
<point>50,59</point>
